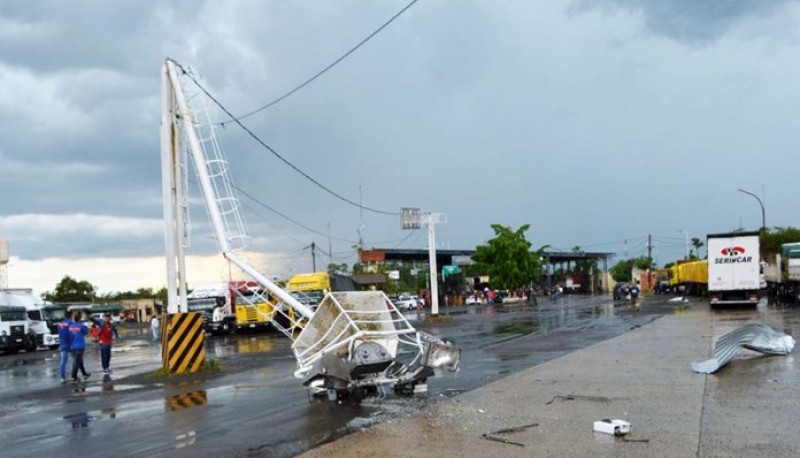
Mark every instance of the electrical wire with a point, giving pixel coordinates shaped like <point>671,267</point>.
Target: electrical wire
<point>324,70</point>
<point>262,204</point>
<point>275,153</point>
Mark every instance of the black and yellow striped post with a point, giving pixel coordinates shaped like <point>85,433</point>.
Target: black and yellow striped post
<point>183,348</point>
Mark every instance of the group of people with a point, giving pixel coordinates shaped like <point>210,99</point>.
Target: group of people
<point>72,340</point>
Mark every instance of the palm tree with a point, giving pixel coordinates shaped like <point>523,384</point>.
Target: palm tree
<point>696,243</point>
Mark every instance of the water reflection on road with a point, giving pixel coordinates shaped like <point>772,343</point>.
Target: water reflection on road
<point>261,409</point>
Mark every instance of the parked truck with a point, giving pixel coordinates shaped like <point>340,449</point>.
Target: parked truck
<point>310,288</point>
<point>232,306</point>
<point>734,268</point>
<point>42,317</point>
<point>782,274</point>
<point>13,327</point>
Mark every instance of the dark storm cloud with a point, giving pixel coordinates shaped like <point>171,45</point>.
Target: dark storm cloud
<point>512,112</point>
<point>690,21</point>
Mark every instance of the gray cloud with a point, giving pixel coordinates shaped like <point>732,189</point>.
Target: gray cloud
<point>690,21</point>
<point>509,112</point>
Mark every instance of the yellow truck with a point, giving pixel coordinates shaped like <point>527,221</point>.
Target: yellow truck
<point>690,277</point>
<point>310,288</point>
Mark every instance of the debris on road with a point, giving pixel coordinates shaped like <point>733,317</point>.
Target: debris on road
<point>496,436</point>
<point>755,336</point>
<point>503,440</point>
<point>679,299</point>
<point>572,397</point>
<point>612,427</point>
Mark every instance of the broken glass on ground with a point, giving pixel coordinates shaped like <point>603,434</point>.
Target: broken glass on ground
<point>755,336</point>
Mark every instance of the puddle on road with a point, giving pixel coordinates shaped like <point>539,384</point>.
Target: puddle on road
<point>186,400</point>
<point>26,362</point>
<point>518,327</point>
<point>108,387</point>
<point>84,420</point>
<point>224,346</point>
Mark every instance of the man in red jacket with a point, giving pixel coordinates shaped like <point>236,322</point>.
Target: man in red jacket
<point>106,334</point>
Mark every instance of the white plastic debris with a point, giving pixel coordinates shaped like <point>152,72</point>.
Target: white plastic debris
<point>612,427</point>
<point>679,299</point>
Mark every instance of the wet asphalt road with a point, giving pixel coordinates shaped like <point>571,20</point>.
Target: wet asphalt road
<point>254,406</point>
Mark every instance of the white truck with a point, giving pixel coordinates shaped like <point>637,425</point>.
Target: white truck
<point>42,317</point>
<point>734,268</point>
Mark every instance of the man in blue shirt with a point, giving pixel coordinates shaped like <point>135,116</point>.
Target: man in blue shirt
<point>78,332</point>
<point>64,340</point>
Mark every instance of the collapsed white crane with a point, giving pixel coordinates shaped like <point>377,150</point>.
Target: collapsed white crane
<point>354,342</point>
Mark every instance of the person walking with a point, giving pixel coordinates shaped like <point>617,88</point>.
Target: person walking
<point>155,327</point>
<point>634,296</point>
<point>78,333</point>
<point>64,340</point>
<point>106,335</point>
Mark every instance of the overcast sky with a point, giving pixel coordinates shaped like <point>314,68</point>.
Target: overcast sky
<point>595,121</point>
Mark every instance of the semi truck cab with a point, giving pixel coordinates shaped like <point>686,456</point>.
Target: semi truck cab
<point>13,329</point>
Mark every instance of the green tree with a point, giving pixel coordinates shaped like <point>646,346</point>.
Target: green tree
<point>507,258</point>
<point>696,243</point>
<point>71,290</point>
<point>773,238</point>
<point>334,268</point>
<point>621,271</point>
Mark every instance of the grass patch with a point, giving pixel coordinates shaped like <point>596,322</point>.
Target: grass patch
<point>211,365</point>
<point>159,374</point>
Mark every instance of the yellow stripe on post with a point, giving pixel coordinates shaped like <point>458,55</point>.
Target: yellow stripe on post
<point>183,338</point>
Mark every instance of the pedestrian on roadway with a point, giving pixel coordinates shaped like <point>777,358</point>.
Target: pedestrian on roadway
<point>634,296</point>
<point>78,333</point>
<point>64,340</point>
<point>155,327</point>
<point>107,332</point>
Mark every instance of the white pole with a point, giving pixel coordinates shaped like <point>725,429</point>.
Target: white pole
<point>433,269</point>
<point>168,172</point>
<point>687,245</point>
<point>210,196</point>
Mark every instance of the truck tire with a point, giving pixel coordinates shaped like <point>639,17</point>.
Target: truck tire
<point>30,344</point>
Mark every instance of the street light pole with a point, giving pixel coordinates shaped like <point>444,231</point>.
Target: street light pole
<point>686,233</point>
<point>763,213</point>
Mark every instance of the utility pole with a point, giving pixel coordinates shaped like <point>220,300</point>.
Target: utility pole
<point>686,234</point>
<point>649,250</point>
<point>330,245</point>
<point>313,256</point>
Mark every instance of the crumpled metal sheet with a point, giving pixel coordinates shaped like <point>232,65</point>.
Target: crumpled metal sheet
<point>755,336</point>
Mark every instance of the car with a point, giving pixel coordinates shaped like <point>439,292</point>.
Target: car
<point>662,287</point>
<point>405,303</point>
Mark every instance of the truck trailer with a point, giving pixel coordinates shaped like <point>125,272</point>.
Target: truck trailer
<point>232,306</point>
<point>734,268</point>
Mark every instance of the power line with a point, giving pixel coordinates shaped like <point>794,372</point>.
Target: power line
<point>262,204</point>
<point>324,70</point>
<point>275,153</point>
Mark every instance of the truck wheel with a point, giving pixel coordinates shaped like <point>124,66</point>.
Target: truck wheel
<point>30,344</point>
<point>53,347</point>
